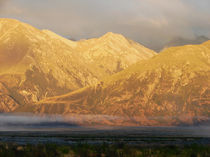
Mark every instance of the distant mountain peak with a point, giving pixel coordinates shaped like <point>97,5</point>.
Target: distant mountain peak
<point>180,41</point>
<point>112,36</point>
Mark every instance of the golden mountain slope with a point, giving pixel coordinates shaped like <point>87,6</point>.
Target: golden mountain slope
<point>102,52</point>
<point>35,64</point>
<point>7,103</point>
<point>169,89</point>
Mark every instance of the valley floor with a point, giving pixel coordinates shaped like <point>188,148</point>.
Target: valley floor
<point>121,142</point>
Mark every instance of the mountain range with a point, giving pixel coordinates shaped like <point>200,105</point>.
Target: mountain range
<point>180,41</point>
<point>35,64</point>
<point>43,73</point>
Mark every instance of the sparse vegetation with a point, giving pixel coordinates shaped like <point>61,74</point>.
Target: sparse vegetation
<point>103,150</point>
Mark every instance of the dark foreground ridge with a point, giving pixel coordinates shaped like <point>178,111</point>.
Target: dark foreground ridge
<point>102,150</point>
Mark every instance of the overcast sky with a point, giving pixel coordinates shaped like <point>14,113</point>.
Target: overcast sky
<point>150,22</point>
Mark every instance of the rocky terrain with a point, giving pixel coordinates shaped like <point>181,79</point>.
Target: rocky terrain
<point>7,103</point>
<point>108,80</point>
<point>172,88</point>
<point>36,64</point>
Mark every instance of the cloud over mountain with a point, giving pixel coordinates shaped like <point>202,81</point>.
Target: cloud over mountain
<point>150,22</point>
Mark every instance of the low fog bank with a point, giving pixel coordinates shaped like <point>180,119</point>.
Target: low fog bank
<point>91,123</point>
<point>12,122</point>
<point>25,121</point>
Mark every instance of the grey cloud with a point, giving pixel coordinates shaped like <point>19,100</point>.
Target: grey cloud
<point>2,3</point>
<point>149,22</point>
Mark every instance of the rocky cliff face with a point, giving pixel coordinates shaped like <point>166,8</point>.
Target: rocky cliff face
<point>35,64</point>
<point>171,88</point>
<point>7,103</point>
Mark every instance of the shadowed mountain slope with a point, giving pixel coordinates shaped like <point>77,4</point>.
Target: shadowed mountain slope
<point>180,41</point>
